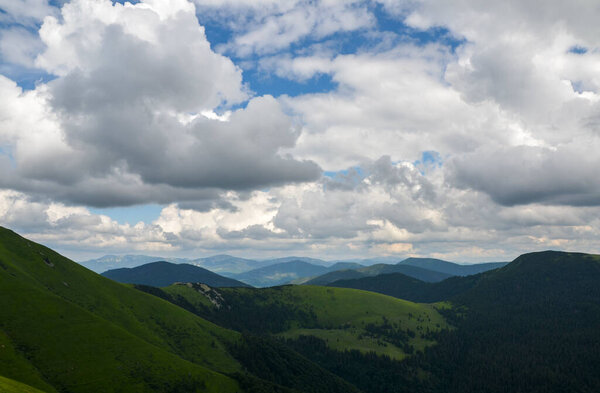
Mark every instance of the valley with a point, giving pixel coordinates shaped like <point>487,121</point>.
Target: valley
<point>64,328</point>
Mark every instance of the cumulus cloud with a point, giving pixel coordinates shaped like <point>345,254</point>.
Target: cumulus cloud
<point>395,101</point>
<point>511,87</point>
<point>383,214</point>
<point>519,56</point>
<point>527,174</point>
<point>143,110</point>
<point>123,121</point>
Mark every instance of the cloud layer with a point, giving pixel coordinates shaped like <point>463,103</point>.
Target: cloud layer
<point>131,112</point>
<point>466,130</point>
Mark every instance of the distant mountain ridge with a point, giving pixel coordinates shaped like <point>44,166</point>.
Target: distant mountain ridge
<point>226,264</point>
<point>221,263</point>
<point>376,270</point>
<point>423,269</point>
<point>280,273</point>
<point>108,262</point>
<point>289,271</point>
<point>451,268</point>
<point>162,274</point>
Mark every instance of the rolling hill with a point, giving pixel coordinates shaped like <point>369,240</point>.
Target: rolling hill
<point>374,270</point>
<point>530,326</point>
<point>162,274</point>
<point>362,337</point>
<point>312,261</point>
<point>108,262</point>
<point>324,279</point>
<point>345,318</point>
<point>533,322</point>
<point>404,287</point>
<point>227,264</point>
<point>66,329</point>
<point>423,269</point>
<point>524,327</point>
<point>279,273</point>
<point>450,268</point>
<point>417,272</point>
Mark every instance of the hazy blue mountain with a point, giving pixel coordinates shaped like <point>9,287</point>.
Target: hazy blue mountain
<point>228,265</point>
<point>337,271</point>
<point>418,273</point>
<point>330,277</point>
<point>279,273</point>
<point>370,261</point>
<point>453,269</point>
<point>109,262</point>
<point>344,265</point>
<point>313,261</point>
<point>423,269</point>
<point>404,287</point>
<point>162,274</point>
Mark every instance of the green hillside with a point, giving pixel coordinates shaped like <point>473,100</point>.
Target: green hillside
<point>64,328</point>
<point>344,318</point>
<point>11,386</point>
<point>531,326</point>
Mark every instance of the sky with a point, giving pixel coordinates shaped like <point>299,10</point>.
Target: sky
<point>467,130</point>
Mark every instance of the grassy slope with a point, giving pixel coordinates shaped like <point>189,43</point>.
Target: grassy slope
<point>344,313</point>
<point>65,326</point>
<point>15,365</point>
<point>340,315</point>
<point>11,386</point>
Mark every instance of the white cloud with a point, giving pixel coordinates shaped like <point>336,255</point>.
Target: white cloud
<point>25,12</point>
<point>270,26</point>
<point>19,46</point>
<point>143,110</point>
<point>108,130</point>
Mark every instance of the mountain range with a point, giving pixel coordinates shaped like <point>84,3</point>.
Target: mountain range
<point>222,264</point>
<point>162,274</point>
<point>422,269</point>
<point>299,270</point>
<point>288,271</point>
<point>108,262</point>
<point>524,327</point>
<point>529,326</point>
<point>64,328</point>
